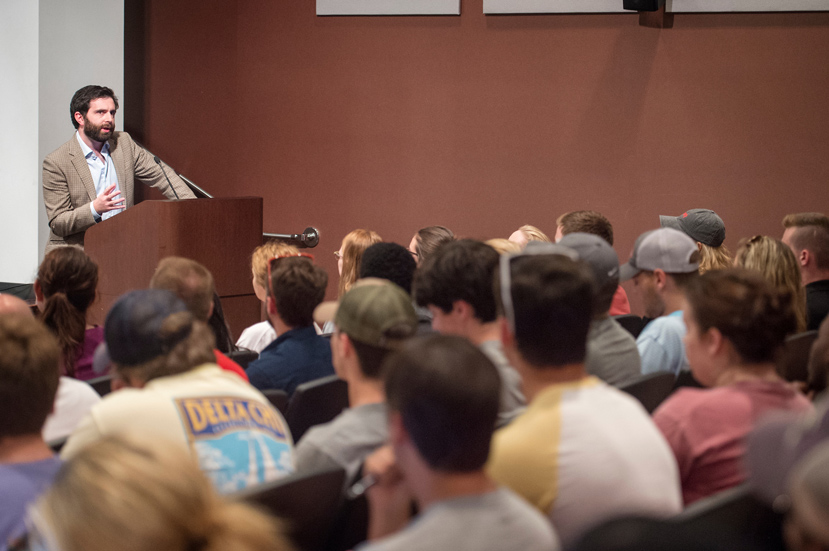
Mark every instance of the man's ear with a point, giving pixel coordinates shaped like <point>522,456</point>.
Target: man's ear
<point>271,305</point>
<point>804,258</point>
<point>78,117</point>
<point>714,341</point>
<point>210,310</point>
<point>507,338</point>
<point>38,291</point>
<point>660,278</point>
<point>463,309</point>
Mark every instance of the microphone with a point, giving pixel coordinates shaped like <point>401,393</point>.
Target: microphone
<point>169,183</point>
<point>309,238</point>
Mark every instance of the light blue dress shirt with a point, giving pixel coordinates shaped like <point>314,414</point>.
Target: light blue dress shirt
<point>103,174</point>
<point>660,345</point>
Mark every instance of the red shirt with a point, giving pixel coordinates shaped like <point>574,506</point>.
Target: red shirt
<point>620,305</point>
<point>707,430</point>
<point>229,365</point>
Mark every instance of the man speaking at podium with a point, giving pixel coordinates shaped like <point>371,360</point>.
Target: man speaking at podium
<point>91,177</point>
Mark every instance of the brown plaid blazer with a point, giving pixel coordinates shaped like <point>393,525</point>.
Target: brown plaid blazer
<point>68,187</point>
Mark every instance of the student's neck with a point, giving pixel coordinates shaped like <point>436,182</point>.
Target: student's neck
<point>736,373</point>
<point>280,326</point>
<point>432,487</point>
<point>535,379</point>
<point>480,333</point>
<point>810,276</point>
<point>364,392</point>
<point>674,301</point>
<point>24,449</point>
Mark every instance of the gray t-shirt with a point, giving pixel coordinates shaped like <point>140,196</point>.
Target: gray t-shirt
<point>513,402</point>
<point>497,521</point>
<point>612,355</point>
<point>344,441</point>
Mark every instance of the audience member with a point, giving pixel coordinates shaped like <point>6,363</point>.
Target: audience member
<point>583,451</point>
<point>443,400</point>
<point>65,288</point>
<point>134,494</point>
<point>708,230</point>
<point>427,240</point>
<point>259,335</point>
<point>298,355</point>
<point>504,246</point>
<point>193,284</point>
<point>612,355</point>
<point>818,366</point>
<point>527,233</point>
<point>351,252</point>
<point>736,325</point>
<point>219,327</point>
<point>175,392</point>
<point>29,371</point>
<point>372,319</point>
<point>778,265</point>
<point>664,261</point>
<point>594,223</point>
<point>807,525</point>
<point>455,284</point>
<point>807,234</point>
<point>389,261</point>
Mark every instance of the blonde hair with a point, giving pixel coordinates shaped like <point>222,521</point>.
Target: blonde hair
<point>533,233</point>
<point>262,254</point>
<point>134,494</point>
<point>353,246</point>
<point>503,246</point>
<point>714,258</point>
<point>778,264</point>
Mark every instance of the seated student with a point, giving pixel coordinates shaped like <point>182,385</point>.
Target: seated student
<point>443,396</point>
<point>174,391</point>
<point>807,233</point>
<point>29,359</point>
<point>595,223</point>
<point>583,452</point>
<point>427,240</point>
<point>298,355</point>
<point>65,288</point>
<point>527,233</point>
<point>737,323</point>
<point>455,284</point>
<point>372,319</point>
<point>259,335</point>
<point>707,229</point>
<point>612,355</point>
<point>663,263</point>
<point>137,494</point>
<point>193,284</point>
<point>807,524</point>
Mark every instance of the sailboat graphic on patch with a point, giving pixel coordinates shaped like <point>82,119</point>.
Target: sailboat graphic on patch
<point>238,442</point>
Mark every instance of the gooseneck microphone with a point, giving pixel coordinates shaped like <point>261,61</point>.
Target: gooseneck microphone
<point>169,183</point>
<point>309,238</point>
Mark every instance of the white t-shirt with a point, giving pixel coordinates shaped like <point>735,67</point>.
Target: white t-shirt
<point>584,452</point>
<point>257,336</point>
<point>73,401</point>
<point>238,437</point>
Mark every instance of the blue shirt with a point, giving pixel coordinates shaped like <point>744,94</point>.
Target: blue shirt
<point>103,174</point>
<point>20,485</point>
<point>660,345</point>
<point>295,357</point>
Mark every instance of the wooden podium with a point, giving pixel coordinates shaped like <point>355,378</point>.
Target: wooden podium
<point>219,233</point>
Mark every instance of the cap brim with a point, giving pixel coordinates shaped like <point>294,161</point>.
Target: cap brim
<point>325,312</point>
<point>670,222</point>
<point>627,271</point>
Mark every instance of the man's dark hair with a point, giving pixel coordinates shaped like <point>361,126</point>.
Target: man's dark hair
<point>446,391</point>
<point>298,286</point>
<point>83,97</point>
<point>552,299</point>
<point>29,374</point>
<point>812,233</point>
<point>389,261</point>
<point>460,270</point>
<point>586,221</point>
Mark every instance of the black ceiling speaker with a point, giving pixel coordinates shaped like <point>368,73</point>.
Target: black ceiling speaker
<point>642,5</point>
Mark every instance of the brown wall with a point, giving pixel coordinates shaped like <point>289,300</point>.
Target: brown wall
<point>484,123</point>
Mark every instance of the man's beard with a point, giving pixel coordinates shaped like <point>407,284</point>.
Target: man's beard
<point>94,132</point>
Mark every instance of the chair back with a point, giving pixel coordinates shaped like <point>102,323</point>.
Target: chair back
<point>739,512</point>
<point>652,389</point>
<point>632,323</point>
<point>686,379</point>
<point>316,402</point>
<point>306,502</point>
<point>243,356</point>
<point>102,385</point>
<point>278,399</point>
<point>794,362</point>
<point>57,444</point>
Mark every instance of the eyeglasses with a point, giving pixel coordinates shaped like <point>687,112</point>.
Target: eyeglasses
<point>274,260</point>
<point>505,272</point>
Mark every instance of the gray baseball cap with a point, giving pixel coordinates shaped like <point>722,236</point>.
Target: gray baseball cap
<point>666,249</point>
<point>702,225</point>
<point>603,261</point>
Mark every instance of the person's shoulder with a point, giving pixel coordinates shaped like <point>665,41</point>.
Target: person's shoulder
<point>62,152</point>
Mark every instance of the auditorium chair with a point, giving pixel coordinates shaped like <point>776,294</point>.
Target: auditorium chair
<point>316,402</point>
<point>278,399</point>
<point>652,389</point>
<point>794,362</point>
<point>243,356</point>
<point>632,323</point>
<point>102,385</point>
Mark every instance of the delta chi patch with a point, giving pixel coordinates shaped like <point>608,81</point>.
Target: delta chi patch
<point>239,442</point>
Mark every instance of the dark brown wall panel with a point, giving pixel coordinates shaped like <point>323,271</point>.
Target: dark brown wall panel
<point>486,123</point>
